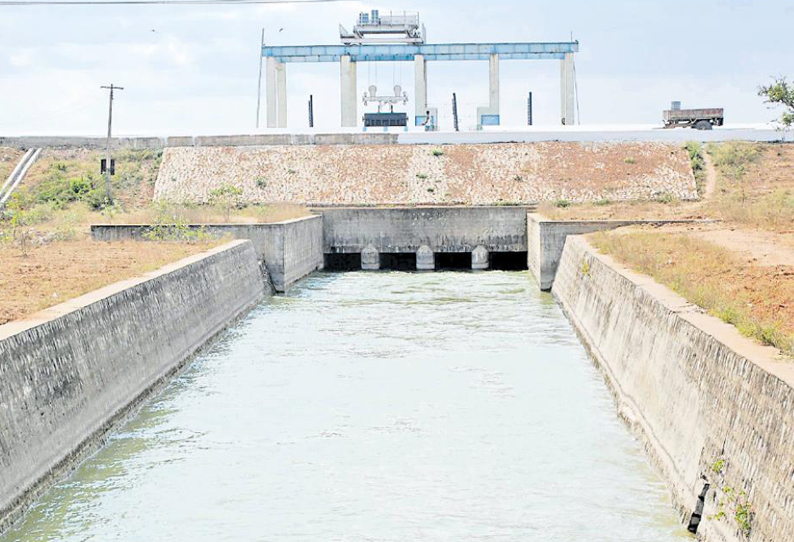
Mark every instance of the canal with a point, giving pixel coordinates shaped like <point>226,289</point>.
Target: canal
<point>374,407</point>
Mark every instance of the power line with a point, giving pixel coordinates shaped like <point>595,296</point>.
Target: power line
<point>155,2</point>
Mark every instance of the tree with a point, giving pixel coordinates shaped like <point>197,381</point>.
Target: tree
<point>780,92</point>
<point>225,198</point>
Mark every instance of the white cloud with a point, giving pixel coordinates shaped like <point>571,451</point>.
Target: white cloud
<point>21,58</point>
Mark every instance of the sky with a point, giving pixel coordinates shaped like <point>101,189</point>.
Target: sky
<point>190,70</point>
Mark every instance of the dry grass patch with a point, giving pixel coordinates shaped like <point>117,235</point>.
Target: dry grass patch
<point>756,185</point>
<point>759,301</point>
<point>164,212</point>
<point>54,273</point>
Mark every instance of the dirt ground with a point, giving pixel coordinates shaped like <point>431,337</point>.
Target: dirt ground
<point>740,267</point>
<point>752,290</point>
<point>54,273</point>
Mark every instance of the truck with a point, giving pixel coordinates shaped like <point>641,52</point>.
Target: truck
<point>699,119</point>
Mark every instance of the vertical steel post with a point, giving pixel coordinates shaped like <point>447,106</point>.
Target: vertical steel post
<point>455,111</point>
<point>529,109</point>
<point>311,111</point>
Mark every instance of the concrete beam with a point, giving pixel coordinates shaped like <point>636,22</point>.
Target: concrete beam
<point>567,91</point>
<point>420,88</point>
<point>270,92</point>
<point>406,52</point>
<point>281,94</point>
<point>348,86</point>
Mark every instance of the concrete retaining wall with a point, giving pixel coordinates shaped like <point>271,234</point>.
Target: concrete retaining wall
<point>695,390</point>
<point>579,134</point>
<point>291,249</point>
<point>29,142</point>
<point>443,229</point>
<point>546,239</point>
<point>71,371</point>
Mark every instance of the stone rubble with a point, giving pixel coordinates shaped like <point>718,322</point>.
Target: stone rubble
<point>489,174</point>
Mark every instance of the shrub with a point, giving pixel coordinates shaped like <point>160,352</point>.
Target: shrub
<point>438,152</point>
<point>225,198</point>
<point>562,203</point>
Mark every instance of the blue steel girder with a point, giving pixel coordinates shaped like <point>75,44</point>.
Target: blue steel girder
<point>440,51</point>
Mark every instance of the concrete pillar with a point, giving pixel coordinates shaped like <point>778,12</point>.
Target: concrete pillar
<point>349,99</point>
<point>420,88</point>
<point>567,91</point>
<point>281,93</point>
<point>479,258</point>
<point>493,86</point>
<point>425,259</point>
<point>370,259</point>
<point>270,92</point>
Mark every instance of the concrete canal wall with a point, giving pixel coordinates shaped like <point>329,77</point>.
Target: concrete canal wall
<point>546,239</point>
<point>442,229</point>
<point>291,249</point>
<point>711,406</point>
<point>71,371</point>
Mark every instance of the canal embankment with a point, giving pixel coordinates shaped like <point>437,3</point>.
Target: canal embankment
<point>713,407</point>
<point>70,372</point>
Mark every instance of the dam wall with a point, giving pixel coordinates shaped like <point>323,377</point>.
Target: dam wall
<point>70,372</point>
<point>442,229</point>
<point>290,249</point>
<point>546,239</point>
<point>713,408</point>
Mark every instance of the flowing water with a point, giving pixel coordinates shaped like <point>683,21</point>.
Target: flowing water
<point>375,407</point>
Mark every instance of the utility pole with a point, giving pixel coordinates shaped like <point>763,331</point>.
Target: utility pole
<point>108,193</point>
<point>529,110</point>
<point>455,111</point>
<point>259,85</point>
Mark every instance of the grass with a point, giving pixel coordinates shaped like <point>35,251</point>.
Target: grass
<point>53,273</point>
<point>758,301</point>
<point>756,186</point>
<point>60,177</point>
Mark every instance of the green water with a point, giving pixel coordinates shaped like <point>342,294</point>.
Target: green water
<point>375,407</point>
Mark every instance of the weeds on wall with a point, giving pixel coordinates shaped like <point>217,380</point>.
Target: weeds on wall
<point>732,504</point>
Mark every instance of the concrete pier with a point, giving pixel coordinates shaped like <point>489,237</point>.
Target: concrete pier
<point>491,112</point>
<point>370,259</point>
<point>276,94</point>
<point>567,91</point>
<point>479,258</point>
<point>281,94</point>
<point>270,93</point>
<point>420,88</point>
<point>425,259</point>
<point>348,75</point>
